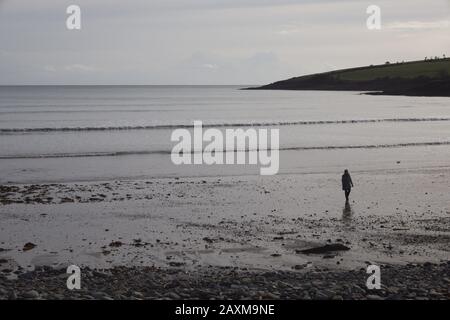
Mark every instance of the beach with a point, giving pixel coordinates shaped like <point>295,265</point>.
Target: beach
<point>244,224</point>
<point>238,156</point>
<point>409,282</point>
<point>87,180</point>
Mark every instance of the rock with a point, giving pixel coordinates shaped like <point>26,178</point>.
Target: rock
<point>270,295</point>
<point>415,281</point>
<point>393,290</point>
<point>12,295</point>
<point>321,296</point>
<point>209,240</point>
<point>324,249</point>
<point>433,292</point>
<point>374,297</point>
<point>28,246</point>
<point>138,294</point>
<point>115,244</point>
<point>174,296</point>
<point>98,295</point>
<point>317,283</point>
<point>176,264</point>
<point>32,294</point>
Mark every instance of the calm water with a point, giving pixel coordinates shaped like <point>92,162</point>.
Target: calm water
<point>102,133</point>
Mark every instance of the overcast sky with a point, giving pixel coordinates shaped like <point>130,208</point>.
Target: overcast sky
<point>210,41</point>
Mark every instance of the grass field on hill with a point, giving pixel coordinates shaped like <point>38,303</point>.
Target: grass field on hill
<point>408,70</point>
<point>414,78</point>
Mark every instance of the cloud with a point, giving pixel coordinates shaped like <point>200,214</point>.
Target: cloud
<point>50,68</point>
<point>289,29</point>
<point>420,25</point>
<point>78,68</point>
<point>209,41</point>
<point>224,68</point>
<point>210,66</point>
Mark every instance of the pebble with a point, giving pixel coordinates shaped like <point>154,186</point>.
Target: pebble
<point>374,297</point>
<point>174,296</point>
<point>416,282</point>
<point>32,294</point>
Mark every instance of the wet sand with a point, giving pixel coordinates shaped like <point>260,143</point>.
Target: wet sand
<point>253,223</point>
<point>256,222</point>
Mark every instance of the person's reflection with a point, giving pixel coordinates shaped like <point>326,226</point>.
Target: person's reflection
<point>347,212</point>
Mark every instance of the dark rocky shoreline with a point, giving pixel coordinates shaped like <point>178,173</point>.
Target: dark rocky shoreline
<point>413,281</point>
<point>417,87</point>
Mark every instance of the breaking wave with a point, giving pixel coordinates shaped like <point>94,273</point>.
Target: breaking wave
<point>162,152</point>
<point>217,125</point>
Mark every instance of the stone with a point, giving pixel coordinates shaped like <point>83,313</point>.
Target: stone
<point>174,296</point>
<point>12,295</point>
<point>270,295</point>
<point>374,297</point>
<point>115,244</point>
<point>28,246</point>
<point>32,294</point>
<point>324,249</point>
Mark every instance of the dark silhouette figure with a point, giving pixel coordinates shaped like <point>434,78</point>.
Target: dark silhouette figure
<point>347,184</point>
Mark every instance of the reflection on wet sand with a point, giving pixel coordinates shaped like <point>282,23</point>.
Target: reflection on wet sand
<point>347,212</point>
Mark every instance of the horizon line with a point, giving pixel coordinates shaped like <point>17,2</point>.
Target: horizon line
<point>127,85</point>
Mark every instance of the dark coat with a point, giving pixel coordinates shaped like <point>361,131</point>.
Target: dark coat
<point>347,182</point>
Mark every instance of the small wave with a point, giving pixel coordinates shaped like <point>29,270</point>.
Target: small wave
<point>85,154</point>
<point>162,152</point>
<point>217,125</point>
<point>90,111</point>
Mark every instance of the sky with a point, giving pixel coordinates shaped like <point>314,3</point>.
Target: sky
<point>197,42</point>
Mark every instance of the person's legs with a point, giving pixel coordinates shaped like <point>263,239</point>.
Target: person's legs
<point>347,193</point>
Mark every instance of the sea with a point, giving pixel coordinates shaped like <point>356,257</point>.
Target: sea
<point>57,134</point>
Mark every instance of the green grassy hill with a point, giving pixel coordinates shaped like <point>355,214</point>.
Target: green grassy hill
<point>427,78</point>
<point>432,69</point>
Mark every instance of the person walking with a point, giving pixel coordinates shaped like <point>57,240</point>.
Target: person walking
<point>347,184</point>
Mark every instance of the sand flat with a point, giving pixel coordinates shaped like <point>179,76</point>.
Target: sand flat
<point>395,216</point>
